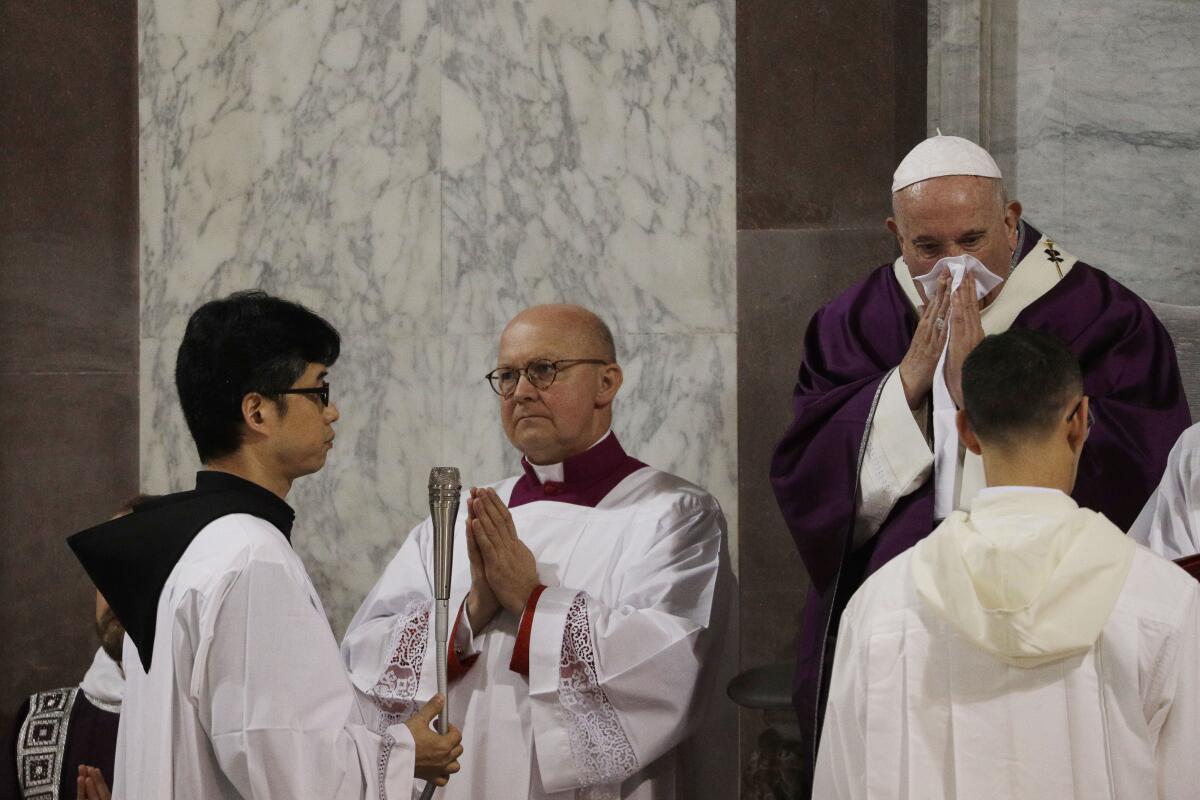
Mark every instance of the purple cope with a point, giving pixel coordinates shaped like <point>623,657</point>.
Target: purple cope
<point>1130,375</point>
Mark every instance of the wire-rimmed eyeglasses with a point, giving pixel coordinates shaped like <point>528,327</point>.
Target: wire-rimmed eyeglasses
<point>540,372</point>
<point>322,392</point>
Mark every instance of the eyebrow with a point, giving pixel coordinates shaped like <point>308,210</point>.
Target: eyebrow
<point>935,240</point>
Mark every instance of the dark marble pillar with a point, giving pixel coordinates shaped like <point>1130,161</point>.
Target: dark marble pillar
<point>830,95</point>
<point>68,322</point>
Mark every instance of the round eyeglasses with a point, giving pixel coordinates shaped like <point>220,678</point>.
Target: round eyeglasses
<point>541,372</point>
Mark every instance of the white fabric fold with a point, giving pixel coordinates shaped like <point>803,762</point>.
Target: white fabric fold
<point>104,683</point>
<point>1028,576</point>
<point>945,434</point>
<point>1170,521</point>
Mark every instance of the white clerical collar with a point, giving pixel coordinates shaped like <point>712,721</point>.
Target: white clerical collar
<point>554,472</point>
<point>104,683</point>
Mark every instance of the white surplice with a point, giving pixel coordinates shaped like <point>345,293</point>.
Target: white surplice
<point>246,695</point>
<point>1029,650</point>
<point>1170,521</point>
<point>899,456</point>
<point>626,657</point>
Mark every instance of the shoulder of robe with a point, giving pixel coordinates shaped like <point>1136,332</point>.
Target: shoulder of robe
<point>670,494</point>
<point>1157,590</point>
<point>1089,304</point>
<point>241,537</point>
<point>885,592</point>
<point>879,282</point>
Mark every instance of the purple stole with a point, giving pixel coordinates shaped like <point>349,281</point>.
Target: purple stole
<point>852,344</point>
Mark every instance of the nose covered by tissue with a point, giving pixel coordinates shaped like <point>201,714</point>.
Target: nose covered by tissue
<point>945,434</point>
<point>959,267</point>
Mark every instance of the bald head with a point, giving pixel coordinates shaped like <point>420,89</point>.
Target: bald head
<point>574,327</point>
<point>550,418</point>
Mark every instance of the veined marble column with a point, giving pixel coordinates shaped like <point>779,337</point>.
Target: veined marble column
<point>417,171</point>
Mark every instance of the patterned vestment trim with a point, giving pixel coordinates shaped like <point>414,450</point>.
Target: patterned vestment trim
<point>602,753</point>
<point>42,742</point>
<point>396,690</point>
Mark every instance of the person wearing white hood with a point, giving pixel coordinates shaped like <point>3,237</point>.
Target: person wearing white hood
<point>1026,648</point>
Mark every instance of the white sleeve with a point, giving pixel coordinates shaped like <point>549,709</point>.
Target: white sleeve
<point>612,688</point>
<point>387,642</point>
<point>1179,715</point>
<point>841,772</point>
<point>897,460</point>
<point>277,704</point>
<point>1170,521</point>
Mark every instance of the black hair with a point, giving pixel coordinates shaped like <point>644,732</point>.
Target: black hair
<point>1017,383</point>
<point>247,342</point>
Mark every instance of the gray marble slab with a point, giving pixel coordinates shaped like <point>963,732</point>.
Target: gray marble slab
<point>1094,114</point>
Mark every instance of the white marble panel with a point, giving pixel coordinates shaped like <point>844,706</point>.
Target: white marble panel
<point>293,148</point>
<point>1093,116</point>
<point>169,461</point>
<point>952,92</point>
<point>589,156</point>
<point>1109,143</point>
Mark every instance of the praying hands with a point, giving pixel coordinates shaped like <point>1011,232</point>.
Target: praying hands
<point>503,570</point>
<point>90,784</point>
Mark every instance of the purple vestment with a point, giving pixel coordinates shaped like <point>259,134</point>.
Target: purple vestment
<point>1129,373</point>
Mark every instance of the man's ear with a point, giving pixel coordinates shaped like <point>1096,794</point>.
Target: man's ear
<point>1077,427</point>
<point>611,379</point>
<point>894,228</point>
<point>966,434</point>
<point>258,413</point>
<point>1012,216</point>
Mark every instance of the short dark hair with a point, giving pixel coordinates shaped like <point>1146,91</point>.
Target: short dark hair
<point>247,342</point>
<point>1016,383</point>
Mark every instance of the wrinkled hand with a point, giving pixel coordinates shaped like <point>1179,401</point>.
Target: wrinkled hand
<point>90,785</point>
<point>482,604</point>
<point>965,334</point>
<point>920,362</point>
<point>437,755</point>
<point>509,565</point>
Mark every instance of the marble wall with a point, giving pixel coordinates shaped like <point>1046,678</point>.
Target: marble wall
<point>1092,111</point>
<point>417,171</point>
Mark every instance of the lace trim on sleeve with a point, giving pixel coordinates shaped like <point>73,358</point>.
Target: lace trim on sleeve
<point>395,692</point>
<point>599,746</point>
<point>385,755</point>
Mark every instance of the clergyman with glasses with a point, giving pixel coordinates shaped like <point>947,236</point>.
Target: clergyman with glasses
<point>591,594</point>
<point>233,685</point>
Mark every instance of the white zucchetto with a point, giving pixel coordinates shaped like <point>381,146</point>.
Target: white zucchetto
<point>939,156</point>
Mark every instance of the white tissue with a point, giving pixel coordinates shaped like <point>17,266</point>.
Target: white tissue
<point>945,434</point>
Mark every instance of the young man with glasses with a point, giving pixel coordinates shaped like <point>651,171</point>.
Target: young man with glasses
<point>233,684</point>
<point>1026,648</point>
<point>592,594</point>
